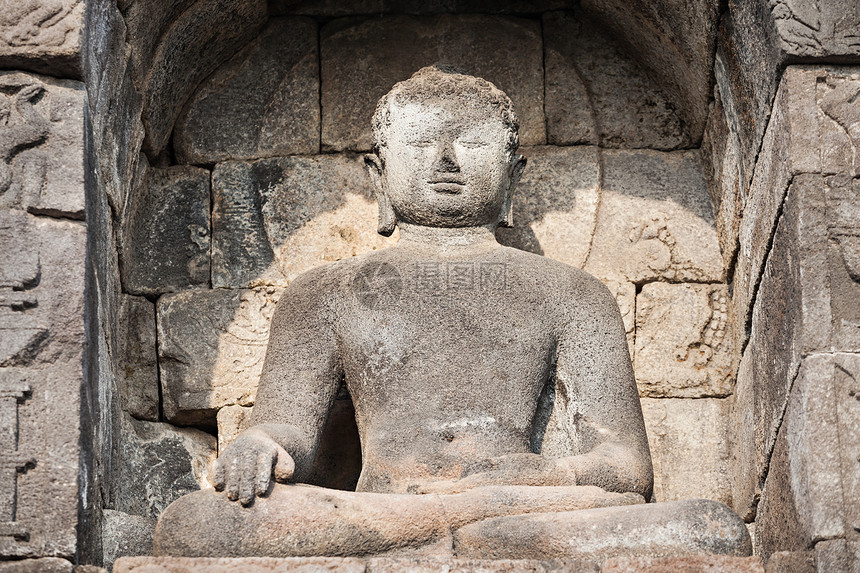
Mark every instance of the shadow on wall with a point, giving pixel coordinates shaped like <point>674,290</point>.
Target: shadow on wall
<point>616,193</point>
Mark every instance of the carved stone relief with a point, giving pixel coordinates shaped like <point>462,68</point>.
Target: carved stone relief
<point>41,144</point>
<point>12,391</point>
<point>817,27</point>
<point>41,35</point>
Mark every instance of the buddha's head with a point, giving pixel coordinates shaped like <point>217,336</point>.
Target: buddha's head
<point>444,152</point>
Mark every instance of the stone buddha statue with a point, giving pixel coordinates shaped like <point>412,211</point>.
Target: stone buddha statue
<point>454,349</point>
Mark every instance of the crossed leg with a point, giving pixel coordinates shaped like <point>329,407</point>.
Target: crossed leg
<point>302,520</point>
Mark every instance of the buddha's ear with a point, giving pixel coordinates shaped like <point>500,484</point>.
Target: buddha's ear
<point>518,163</point>
<point>387,220</point>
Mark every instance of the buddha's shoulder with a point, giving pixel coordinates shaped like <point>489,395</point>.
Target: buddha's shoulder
<point>323,278</point>
<point>551,271</point>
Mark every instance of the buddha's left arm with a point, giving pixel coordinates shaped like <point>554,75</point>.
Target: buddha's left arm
<point>596,391</point>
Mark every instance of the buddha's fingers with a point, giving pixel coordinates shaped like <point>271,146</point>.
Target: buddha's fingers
<point>233,477</point>
<point>285,466</point>
<point>218,474</point>
<point>250,475</point>
<point>265,461</point>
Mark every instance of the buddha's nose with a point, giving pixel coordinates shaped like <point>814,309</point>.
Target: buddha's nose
<point>446,158</point>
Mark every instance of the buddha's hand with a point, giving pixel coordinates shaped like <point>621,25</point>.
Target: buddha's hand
<point>511,469</point>
<point>246,466</point>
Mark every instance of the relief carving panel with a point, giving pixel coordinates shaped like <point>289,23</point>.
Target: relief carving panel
<point>41,144</point>
<point>41,35</point>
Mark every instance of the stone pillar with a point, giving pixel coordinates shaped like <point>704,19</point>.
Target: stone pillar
<point>42,268</point>
<point>796,465</point>
<point>11,460</point>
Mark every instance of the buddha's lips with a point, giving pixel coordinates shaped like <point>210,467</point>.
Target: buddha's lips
<point>448,186</point>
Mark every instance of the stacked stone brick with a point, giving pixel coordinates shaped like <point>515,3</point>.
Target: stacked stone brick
<point>207,152</point>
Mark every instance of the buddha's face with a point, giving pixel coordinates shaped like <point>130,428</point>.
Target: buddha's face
<point>446,164</point>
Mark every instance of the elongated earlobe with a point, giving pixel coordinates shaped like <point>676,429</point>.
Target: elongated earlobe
<point>516,170</point>
<point>387,221</point>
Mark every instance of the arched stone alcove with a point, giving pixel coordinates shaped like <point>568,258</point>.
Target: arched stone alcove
<point>167,167</point>
<point>228,145</point>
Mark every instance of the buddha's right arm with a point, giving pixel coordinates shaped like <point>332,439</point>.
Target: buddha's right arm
<point>301,375</point>
<point>597,397</point>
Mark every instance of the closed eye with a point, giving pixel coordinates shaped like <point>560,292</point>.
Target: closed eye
<point>473,144</point>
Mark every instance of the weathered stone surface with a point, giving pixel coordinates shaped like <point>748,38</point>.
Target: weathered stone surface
<point>505,51</point>
<point>348,565</point>
<point>115,106</point>
<point>244,565</point>
<point>625,296</point>
<point>746,473</point>
<point>721,155</point>
<point>42,35</point>
<point>100,410</point>
<point>433,564</point>
<point>746,70</point>
<point>555,209</point>
<point>211,346</point>
<point>146,26</point>
<point>675,40</point>
<point>264,102</point>
<point>842,199</point>
<point>42,387</point>
<point>232,420</point>
<point>812,130</point>
<point>790,562</point>
<point>42,144</point>
<point>721,563</point>
<point>160,463</point>
<point>165,245</point>
<point>274,219</point>
<point>326,332</point>
<point>678,528</point>
<point>655,220</point>
<point>806,301</point>
<point>839,120</point>
<point>136,358</point>
<point>790,147</point>
<point>401,524</point>
<point>816,30</point>
<point>597,94</point>
<point>377,7</point>
<point>173,49</point>
<point>835,555</point>
<point>555,204</point>
<point>19,259</point>
<point>812,485</point>
<point>758,39</point>
<point>124,534</point>
<point>689,448</point>
<point>44,565</point>
<point>682,347</point>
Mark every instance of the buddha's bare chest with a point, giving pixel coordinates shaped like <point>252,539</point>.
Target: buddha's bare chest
<point>457,364</point>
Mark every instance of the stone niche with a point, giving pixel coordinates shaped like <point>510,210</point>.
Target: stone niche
<point>228,140</point>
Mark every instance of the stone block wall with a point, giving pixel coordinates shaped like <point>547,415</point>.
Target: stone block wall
<point>781,143</point>
<point>796,448</point>
<point>167,168</point>
<point>42,281</point>
<point>262,179</point>
<point>225,173</point>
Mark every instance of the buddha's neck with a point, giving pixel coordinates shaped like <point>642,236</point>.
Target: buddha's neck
<point>446,238</point>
